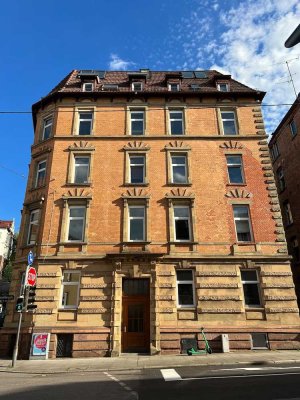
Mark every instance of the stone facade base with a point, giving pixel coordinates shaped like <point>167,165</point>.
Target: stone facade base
<point>95,343</point>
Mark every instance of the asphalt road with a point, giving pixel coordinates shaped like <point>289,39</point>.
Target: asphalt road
<point>201,383</point>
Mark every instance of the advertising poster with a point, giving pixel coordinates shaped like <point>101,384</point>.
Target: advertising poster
<point>40,344</point>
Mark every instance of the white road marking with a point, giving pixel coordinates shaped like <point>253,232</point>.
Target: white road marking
<point>170,375</point>
<point>255,369</point>
<point>134,394</point>
<point>239,376</point>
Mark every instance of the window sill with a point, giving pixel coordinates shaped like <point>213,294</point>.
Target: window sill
<point>72,243</point>
<point>179,184</point>
<point>67,309</point>
<point>245,243</point>
<point>78,184</point>
<point>236,184</point>
<point>136,184</point>
<point>188,308</point>
<point>136,242</point>
<point>254,308</point>
<point>182,242</point>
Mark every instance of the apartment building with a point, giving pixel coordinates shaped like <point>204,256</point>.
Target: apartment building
<point>284,146</point>
<point>152,211</point>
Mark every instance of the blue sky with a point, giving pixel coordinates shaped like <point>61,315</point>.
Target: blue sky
<point>42,41</point>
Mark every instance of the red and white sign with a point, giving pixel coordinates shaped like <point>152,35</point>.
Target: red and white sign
<point>30,276</point>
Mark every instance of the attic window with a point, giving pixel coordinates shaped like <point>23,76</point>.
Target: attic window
<point>137,86</point>
<point>173,87</point>
<point>223,87</point>
<point>88,87</point>
<point>194,87</point>
<point>110,86</point>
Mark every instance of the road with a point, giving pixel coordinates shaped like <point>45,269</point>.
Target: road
<point>186,383</point>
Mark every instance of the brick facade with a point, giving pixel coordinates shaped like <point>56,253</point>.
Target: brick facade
<point>105,257</point>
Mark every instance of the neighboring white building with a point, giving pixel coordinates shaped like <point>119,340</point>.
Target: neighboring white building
<point>6,238</point>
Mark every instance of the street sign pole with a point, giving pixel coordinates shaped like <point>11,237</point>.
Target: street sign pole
<point>16,348</point>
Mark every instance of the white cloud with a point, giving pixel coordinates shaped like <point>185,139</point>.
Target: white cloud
<point>245,38</point>
<point>116,63</point>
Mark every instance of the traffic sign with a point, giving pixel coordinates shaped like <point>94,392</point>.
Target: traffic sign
<point>30,258</point>
<point>30,276</point>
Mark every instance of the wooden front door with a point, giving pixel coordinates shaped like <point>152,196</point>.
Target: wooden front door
<point>136,316</point>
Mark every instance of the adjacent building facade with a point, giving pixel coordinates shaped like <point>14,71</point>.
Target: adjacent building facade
<point>152,211</point>
<point>6,241</point>
<point>284,146</point>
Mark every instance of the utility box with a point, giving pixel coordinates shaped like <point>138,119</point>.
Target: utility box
<point>225,343</point>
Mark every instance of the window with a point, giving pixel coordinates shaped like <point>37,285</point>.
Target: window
<point>295,249</point>
<point>47,128</point>
<point>275,151</point>
<point>137,169</point>
<point>259,341</point>
<point>88,87</point>
<point>40,174</point>
<point>176,122</point>
<point>85,123</point>
<point>137,86</point>
<point>179,168</point>
<point>34,218</point>
<point>242,223</point>
<point>136,223</point>
<point>137,125</point>
<point>110,86</point>
<point>182,223</point>
<point>81,169</point>
<point>185,288</point>
<point>76,223</point>
<point>293,128</point>
<point>251,288</point>
<point>223,87</point>
<point>70,289</point>
<point>235,169</point>
<point>280,178</point>
<point>173,87</point>
<point>288,213</point>
<point>194,87</point>
<point>229,123</point>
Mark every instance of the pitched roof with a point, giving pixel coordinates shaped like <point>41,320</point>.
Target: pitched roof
<point>153,82</point>
<point>5,224</point>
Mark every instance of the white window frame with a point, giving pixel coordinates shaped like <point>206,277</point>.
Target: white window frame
<point>176,119</point>
<point>226,86</point>
<point>76,218</point>
<point>137,111</point>
<point>182,218</point>
<point>189,282</point>
<point>46,125</point>
<point>131,156</point>
<point>229,165</point>
<point>275,151</point>
<point>176,165</point>
<point>74,169</point>
<point>33,212</point>
<point>223,119</point>
<point>293,128</point>
<point>134,84</point>
<point>84,119</point>
<point>38,171</point>
<point>86,84</point>
<point>257,282</point>
<point>288,213</point>
<point>63,284</point>
<point>243,219</point>
<point>170,85</point>
<point>132,218</point>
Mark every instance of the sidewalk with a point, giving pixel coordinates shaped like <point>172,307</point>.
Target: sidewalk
<point>134,362</point>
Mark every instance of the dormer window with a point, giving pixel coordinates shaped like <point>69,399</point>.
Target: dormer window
<point>173,87</point>
<point>88,87</point>
<point>137,86</point>
<point>223,87</point>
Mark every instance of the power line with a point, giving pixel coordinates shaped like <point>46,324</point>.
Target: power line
<point>13,171</point>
